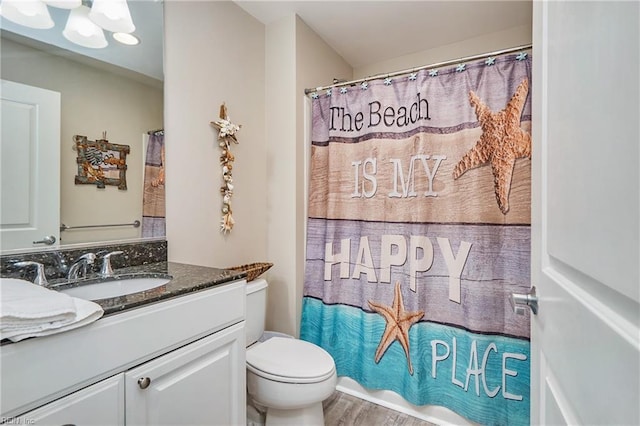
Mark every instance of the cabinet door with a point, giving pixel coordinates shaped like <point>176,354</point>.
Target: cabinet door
<point>99,404</point>
<point>201,383</point>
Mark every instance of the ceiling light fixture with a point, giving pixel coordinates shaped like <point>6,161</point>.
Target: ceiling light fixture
<point>64,4</point>
<point>82,31</point>
<point>112,15</point>
<point>87,19</point>
<point>125,38</point>
<point>30,13</point>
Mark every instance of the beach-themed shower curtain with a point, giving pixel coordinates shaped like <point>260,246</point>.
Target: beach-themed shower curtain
<point>419,229</point>
<point>153,204</point>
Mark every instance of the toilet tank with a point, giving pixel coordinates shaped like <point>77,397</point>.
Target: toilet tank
<point>256,309</point>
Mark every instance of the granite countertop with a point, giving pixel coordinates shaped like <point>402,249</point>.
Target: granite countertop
<point>185,279</point>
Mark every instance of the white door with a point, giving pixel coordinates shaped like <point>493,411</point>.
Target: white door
<point>585,213</point>
<point>202,383</point>
<point>30,166</point>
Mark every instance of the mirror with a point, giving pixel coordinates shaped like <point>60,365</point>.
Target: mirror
<point>113,94</point>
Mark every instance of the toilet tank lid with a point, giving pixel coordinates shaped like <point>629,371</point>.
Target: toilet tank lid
<point>292,358</point>
<point>256,285</point>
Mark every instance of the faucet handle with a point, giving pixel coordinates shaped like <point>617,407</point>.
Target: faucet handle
<point>107,270</point>
<point>89,257</point>
<point>79,267</point>
<point>41,278</point>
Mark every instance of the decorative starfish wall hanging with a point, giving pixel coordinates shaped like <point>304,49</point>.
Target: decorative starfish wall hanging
<point>399,322</point>
<point>501,143</point>
<point>227,132</point>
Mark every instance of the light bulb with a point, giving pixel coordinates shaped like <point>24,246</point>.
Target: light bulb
<point>64,4</point>
<point>128,39</point>
<point>82,31</point>
<point>30,13</point>
<point>112,15</point>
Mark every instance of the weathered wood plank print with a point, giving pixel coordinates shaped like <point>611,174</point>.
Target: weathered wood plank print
<point>419,229</point>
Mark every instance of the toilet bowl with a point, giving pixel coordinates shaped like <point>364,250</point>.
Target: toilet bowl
<point>290,378</point>
<point>287,377</point>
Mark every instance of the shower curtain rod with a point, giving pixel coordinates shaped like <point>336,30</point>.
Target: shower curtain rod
<point>412,70</point>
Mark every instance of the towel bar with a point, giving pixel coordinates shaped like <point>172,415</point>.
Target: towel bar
<point>63,227</point>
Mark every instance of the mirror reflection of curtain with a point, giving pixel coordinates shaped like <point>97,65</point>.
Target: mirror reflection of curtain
<point>153,207</point>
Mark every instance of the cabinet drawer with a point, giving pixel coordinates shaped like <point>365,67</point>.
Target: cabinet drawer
<point>100,404</point>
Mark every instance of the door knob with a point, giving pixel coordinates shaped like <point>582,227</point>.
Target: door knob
<point>144,382</point>
<point>519,301</point>
<point>48,240</point>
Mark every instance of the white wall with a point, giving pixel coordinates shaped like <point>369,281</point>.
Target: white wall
<point>296,58</point>
<point>282,241</point>
<point>93,100</point>
<point>214,53</point>
<point>516,36</point>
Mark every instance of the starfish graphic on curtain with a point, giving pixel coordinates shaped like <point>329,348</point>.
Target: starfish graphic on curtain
<point>501,143</point>
<point>399,322</point>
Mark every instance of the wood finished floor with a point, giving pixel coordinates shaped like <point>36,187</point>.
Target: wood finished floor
<point>345,410</point>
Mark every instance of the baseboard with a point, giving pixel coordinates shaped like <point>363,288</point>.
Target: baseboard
<point>393,401</point>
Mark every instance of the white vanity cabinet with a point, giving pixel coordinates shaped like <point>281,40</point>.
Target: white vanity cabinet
<point>174,362</point>
<point>198,384</point>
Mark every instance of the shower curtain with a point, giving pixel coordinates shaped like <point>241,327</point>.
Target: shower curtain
<point>418,231</point>
<point>153,205</point>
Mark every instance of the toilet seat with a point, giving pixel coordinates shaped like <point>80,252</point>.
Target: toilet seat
<point>290,361</point>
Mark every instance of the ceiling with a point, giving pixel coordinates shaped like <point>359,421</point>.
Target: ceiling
<point>367,32</point>
<point>362,32</point>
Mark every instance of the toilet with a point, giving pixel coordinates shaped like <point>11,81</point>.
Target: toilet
<point>287,377</point>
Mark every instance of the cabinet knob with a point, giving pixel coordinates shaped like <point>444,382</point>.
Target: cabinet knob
<point>144,382</point>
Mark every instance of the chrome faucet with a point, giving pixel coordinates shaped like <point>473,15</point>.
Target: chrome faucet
<point>79,267</point>
<point>41,278</point>
<point>107,270</point>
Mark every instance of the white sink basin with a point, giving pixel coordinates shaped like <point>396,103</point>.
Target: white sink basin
<point>115,288</point>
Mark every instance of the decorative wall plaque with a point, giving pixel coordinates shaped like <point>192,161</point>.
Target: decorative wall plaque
<point>101,163</point>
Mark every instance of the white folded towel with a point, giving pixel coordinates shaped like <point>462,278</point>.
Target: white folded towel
<point>29,310</point>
